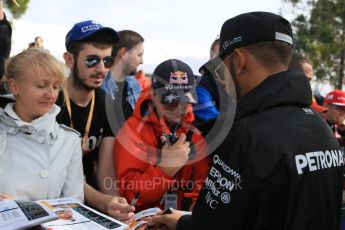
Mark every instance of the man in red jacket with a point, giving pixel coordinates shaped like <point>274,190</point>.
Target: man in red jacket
<point>158,153</point>
<point>335,116</point>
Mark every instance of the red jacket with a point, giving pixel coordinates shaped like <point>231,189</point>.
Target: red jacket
<point>136,149</point>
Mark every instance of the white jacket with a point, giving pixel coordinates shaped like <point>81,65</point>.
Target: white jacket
<point>41,159</point>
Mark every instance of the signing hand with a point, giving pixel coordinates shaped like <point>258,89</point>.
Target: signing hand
<point>1,10</point>
<point>166,221</point>
<point>119,209</point>
<point>6,197</point>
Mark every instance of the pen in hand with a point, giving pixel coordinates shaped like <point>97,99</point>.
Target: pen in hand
<point>135,199</point>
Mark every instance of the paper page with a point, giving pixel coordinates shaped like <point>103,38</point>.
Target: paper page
<point>141,218</point>
<point>74,215</point>
<point>20,214</point>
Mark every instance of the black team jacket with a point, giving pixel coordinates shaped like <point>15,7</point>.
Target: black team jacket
<point>280,167</point>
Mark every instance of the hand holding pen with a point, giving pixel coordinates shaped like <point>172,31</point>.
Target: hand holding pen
<point>167,218</point>
<point>135,199</point>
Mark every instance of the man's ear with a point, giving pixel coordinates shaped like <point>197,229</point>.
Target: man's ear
<point>240,61</point>
<point>13,86</point>
<point>69,59</point>
<point>123,51</point>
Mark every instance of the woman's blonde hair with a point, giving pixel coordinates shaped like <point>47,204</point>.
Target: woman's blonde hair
<point>39,60</point>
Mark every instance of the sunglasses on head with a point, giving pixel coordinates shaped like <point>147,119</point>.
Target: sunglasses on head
<point>94,60</point>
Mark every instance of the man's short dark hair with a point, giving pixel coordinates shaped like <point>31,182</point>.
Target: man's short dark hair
<point>128,39</point>
<point>101,39</point>
<point>272,53</point>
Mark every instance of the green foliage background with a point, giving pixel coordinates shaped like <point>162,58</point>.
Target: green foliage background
<point>320,34</point>
<point>16,11</point>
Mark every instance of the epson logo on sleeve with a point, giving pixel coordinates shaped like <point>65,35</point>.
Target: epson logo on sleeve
<point>220,182</point>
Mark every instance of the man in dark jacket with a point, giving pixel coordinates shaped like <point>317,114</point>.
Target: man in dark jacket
<point>5,42</point>
<point>280,167</point>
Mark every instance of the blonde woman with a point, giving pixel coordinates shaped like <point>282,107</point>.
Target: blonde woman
<point>39,159</point>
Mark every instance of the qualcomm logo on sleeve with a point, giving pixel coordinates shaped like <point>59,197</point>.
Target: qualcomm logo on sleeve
<point>319,160</point>
<point>220,182</point>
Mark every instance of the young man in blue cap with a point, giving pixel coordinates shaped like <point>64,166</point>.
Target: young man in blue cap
<point>88,56</point>
<point>280,166</point>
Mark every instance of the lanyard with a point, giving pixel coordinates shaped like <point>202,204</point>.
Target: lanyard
<point>89,118</point>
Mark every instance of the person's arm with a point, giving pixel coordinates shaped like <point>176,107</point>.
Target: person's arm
<point>135,166</point>
<point>201,165</point>
<point>6,197</point>
<point>205,109</point>
<point>172,221</point>
<point>213,209</point>
<point>5,34</point>
<point>2,14</point>
<point>74,183</point>
<point>106,174</point>
<point>5,38</point>
<point>114,206</point>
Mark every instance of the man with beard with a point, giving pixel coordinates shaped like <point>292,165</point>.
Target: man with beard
<point>280,166</point>
<point>120,83</point>
<point>89,59</point>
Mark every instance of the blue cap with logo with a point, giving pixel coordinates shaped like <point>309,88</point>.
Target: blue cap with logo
<point>82,30</point>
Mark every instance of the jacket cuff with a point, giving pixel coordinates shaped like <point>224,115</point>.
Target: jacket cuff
<point>184,222</point>
<point>4,20</point>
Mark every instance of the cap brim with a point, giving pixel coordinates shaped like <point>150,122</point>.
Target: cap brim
<point>338,104</point>
<point>190,98</point>
<point>170,98</point>
<point>210,66</point>
<point>318,108</point>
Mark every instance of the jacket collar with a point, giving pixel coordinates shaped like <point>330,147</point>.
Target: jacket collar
<point>46,122</point>
<point>285,88</point>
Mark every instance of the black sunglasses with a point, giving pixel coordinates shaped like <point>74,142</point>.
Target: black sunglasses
<point>94,60</point>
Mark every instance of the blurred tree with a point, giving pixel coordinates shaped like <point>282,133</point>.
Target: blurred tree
<point>16,7</point>
<point>319,31</point>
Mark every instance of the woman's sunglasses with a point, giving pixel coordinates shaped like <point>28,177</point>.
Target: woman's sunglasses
<point>94,60</point>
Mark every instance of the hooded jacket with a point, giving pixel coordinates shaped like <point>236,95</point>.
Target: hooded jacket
<point>137,150</point>
<point>280,167</point>
<point>41,159</point>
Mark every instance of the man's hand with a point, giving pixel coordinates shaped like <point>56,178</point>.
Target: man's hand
<point>1,10</point>
<point>174,156</point>
<point>340,123</point>
<point>114,206</point>
<point>166,221</point>
<point>118,208</point>
<point>6,197</point>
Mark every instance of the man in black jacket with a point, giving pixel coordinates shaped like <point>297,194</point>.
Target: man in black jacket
<point>280,167</point>
<point>5,42</point>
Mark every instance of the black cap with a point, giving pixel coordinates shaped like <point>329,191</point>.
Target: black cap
<point>174,81</point>
<point>209,67</point>
<point>250,28</point>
